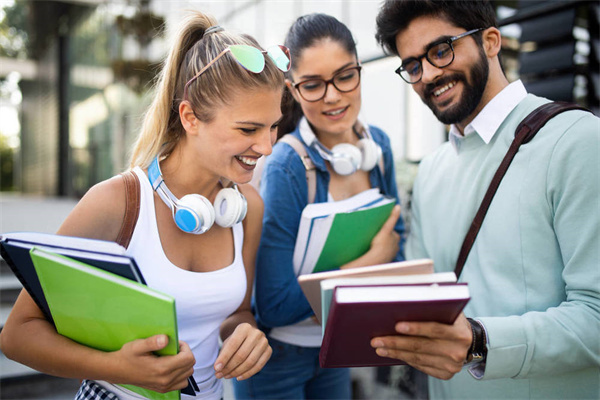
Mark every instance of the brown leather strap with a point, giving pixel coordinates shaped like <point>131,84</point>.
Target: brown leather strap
<point>132,207</point>
<point>311,172</point>
<point>526,130</point>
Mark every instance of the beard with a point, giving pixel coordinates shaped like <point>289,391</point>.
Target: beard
<point>472,93</point>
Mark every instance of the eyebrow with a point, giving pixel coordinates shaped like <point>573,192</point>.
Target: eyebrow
<point>343,67</point>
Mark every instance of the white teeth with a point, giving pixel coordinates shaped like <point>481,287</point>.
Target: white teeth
<point>443,89</point>
<point>335,112</point>
<point>247,160</point>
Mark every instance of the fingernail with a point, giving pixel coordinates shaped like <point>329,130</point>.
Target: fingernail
<point>218,367</point>
<point>382,352</point>
<point>227,376</point>
<point>377,343</point>
<point>402,328</point>
<point>219,375</point>
<point>161,340</point>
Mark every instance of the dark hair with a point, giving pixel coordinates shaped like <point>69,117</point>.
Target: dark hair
<point>395,16</point>
<point>305,32</point>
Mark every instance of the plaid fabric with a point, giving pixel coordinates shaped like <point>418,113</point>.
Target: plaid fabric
<point>90,390</point>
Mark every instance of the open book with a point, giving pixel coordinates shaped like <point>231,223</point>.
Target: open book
<point>334,233</point>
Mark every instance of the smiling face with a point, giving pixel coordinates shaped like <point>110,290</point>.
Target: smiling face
<point>334,115</point>
<point>455,93</point>
<point>239,134</point>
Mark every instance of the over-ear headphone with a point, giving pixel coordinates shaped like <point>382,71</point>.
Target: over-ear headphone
<point>346,158</point>
<point>194,213</point>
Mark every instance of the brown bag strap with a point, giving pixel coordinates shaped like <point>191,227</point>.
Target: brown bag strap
<point>526,130</point>
<point>132,207</point>
<point>311,172</point>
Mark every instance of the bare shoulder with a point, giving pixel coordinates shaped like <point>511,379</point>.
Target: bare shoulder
<point>100,212</point>
<point>255,205</point>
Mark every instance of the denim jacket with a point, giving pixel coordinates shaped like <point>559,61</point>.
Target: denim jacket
<point>279,300</point>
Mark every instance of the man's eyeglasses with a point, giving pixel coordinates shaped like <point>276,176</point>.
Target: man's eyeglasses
<point>439,54</point>
<point>344,81</point>
<point>250,58</point>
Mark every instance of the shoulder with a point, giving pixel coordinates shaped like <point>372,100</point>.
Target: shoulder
<point>100,212</point>
<point>255,204</point>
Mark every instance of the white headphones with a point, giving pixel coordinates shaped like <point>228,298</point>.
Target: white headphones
<point>345,158</point>
<point>194,213</point>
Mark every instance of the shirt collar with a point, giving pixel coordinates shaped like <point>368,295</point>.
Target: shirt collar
<point>487,122</point>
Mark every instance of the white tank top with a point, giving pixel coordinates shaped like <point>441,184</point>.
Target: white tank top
<point>203,299</point>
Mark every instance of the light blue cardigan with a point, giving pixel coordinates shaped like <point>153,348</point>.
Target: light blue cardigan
<point>534,270</point>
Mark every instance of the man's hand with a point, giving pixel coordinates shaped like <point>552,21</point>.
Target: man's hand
<point>438,350</point>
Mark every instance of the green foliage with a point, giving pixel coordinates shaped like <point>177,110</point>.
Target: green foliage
<point>13,31</point>
<point>6,165</point>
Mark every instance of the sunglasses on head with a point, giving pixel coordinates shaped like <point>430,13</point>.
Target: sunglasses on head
<point>251,58</point>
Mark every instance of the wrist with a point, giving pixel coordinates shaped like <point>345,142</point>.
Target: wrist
<point>478,350</point>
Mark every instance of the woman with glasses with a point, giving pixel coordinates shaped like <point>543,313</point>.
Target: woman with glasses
<point>214,114</point>
<point>349,157</point>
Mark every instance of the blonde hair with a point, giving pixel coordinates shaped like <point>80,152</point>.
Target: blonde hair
<point>191,51</point>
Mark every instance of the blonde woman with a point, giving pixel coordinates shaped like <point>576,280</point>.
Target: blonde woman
<point>215,113</point>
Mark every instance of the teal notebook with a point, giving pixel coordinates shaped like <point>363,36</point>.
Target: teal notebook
<point>104,311</point>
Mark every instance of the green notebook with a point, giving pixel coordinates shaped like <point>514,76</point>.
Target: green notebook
<point>334,233</point>
<point>104,311</point>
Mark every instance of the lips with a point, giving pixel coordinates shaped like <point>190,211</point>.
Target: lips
<point>443,89</point>
<point>247,162</point>
<point>336,112</point>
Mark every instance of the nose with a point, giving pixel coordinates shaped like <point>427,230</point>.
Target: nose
<point>430,72</point>
<point>264,142</point>
<point>332,95</point>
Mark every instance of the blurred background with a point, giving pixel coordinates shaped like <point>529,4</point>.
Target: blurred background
<point>75,78</point>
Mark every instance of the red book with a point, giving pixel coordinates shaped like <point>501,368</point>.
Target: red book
<point>360,313</point>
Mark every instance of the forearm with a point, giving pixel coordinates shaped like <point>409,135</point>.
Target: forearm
<point>36,344</point>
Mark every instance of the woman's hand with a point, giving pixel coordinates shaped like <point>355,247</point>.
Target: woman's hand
<point>141,367</point>
<point>384,246</point>
<point>243,354</point>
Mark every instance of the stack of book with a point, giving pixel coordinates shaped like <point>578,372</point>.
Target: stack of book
<point>335,233</point>
<point>356,305</point>
<point>93,294</point>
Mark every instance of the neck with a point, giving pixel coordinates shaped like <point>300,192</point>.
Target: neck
<point>183,174</point>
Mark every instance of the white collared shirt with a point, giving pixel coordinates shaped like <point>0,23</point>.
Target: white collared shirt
<point>487,122</point>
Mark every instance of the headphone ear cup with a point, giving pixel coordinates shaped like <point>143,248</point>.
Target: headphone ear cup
<point>371,153</point>
<point>230,207</point>
<point>345,158</point>
<point>194,214</point>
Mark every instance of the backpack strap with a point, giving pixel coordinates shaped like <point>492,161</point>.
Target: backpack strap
<point>311,172</point>
<point>132,207</point>
<point>526,130</point>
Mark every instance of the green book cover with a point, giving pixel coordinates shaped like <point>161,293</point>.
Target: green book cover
<point>350,236</point>
<point>104,311</point>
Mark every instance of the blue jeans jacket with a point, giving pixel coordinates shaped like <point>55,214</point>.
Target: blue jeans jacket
<point>279,301</point>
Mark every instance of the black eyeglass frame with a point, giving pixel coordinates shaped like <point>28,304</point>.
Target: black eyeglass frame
<point>425,55</point>
<point>331,81</point>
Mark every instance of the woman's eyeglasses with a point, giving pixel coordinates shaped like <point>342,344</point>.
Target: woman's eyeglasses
<point>251,58</point>
<point>439,54</point>
<point>344,81</point>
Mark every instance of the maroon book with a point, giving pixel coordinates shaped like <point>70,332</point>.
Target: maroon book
<point>359,313</point>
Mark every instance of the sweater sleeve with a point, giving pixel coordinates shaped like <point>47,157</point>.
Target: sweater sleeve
<point>563,338</point>
<point>279,298</point>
